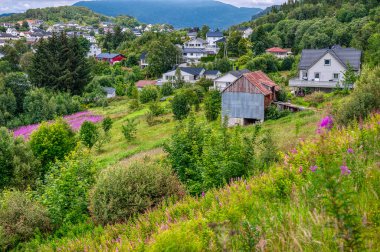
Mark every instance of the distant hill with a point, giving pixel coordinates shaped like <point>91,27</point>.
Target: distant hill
<point>6,14</point>
<point>179,13</point>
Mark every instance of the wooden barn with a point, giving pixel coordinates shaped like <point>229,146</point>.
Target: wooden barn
<point>244,101</point>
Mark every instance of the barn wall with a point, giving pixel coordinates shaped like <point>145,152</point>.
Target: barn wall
<point>243,105</point>
<point>243,85</point>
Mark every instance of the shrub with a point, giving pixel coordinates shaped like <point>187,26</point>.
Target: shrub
<point>89,134</point>
<point>130,129</point>
<point>121,192</point>
<point>18,166</point>
<point>167,89</point>
<point>156,109</point>
<point>66,189</point>
<point>52,142</point>
<point>107,124</point>
<point>364,98</point>
<point>266,63</point>
<point>20,219</point>
<point>148,94</point>
<point>315,98</point>
<point>182,102</point>
<point>134,104</point>
<point>274,113</point>
<point>213,104</point>
<point>205,84</point>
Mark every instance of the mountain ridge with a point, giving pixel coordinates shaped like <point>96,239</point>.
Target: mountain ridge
<point>180,14</point>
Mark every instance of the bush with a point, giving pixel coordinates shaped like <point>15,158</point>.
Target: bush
<point>20,219</point>
<point>364,99</point>
<point>134,104</point>
<point>182,102</point>
<point>18,166</point>
<point>121,192</point>
<point>148,94</point>
<point>66,189</point>
<point>213,105</point>
<point>274,113</point>
<point>52,142</point>
<point>266,63</point>
<point>89,134</point>
<point>315,98</point>
<point>167,89</point>
<point>130,129</point>
<point>205,84</point>
<point>107,125</point>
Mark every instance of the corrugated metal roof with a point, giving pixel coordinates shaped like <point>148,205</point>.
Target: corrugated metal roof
<point>107,55</point>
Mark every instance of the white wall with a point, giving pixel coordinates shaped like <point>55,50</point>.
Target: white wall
<point>326,72</point>
<point>222,82</point>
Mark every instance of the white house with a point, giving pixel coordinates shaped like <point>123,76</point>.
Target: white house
<point>196,43</point>
<point>110,92</point>
<point>190,75</point>
<point>213,38</point>
<point>247,32</point>
<point>279,52</point>
<point>12,31</point>
<point>323,69</point>
<point>94,50</point>
<point>192,35</point>
<point>193,54</point>
<point>222,82</point>
<point>143,60</point>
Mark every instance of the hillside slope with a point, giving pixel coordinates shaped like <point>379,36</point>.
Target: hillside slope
<point>322,196</point>
<point>180,14</point>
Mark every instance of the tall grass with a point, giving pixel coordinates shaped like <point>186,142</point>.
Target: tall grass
<point>307,202</point>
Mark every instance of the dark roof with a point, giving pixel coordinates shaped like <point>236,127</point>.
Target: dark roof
<point>193,50</point>
<point>6,35</point>
<point>221,40</point>
<point>344,55</point>
<point>239,73</point>
<point>109,90</point>
<point>107,55</point>
<point>143,56</point>
<point>215,34</point>
<point>211,72</point>
<point>192,70</point>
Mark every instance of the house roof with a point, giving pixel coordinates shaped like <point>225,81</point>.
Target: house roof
<point>108,55</point>
<point>277,50</point>
<point>193,50</point>
<point>197,39</point>
<point>260,80</point>
<point>143,83</point>
<point>221,40</point>
<point>192,70</point>
<point>211,72</point>
<point>239,73</point>
<point>215,34</point>
<point>143,56</point>
<point>109,90</point>
<point>344,55</point>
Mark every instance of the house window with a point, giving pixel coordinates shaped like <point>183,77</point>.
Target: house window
<point>317,75</point>
<point>304,75</point>
<point>327,62</point>
<point>335,76</point>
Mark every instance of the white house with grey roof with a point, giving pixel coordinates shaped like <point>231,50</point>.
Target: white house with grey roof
<point>213,38</point>
<point>222,82</point>
<point>189,74</point>
<point>323,69</point>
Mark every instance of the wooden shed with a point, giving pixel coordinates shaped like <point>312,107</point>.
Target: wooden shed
<point>244,101</point>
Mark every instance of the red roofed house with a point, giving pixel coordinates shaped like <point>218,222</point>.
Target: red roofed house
<point>142,83</point>
<point>279,52</point>
<point>112,58</point>
<point>245,100</point>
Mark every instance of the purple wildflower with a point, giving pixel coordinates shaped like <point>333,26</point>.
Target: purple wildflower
<point>300,170</point>
<point>294,151</point>
<point>203,194</point>
<point>350,151</point>
<point>344,170</point>
<point>313,168</point>
<point>325,124</point>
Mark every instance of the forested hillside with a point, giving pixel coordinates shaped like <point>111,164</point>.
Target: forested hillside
<point>319,24</point>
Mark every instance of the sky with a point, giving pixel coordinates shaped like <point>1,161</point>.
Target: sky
<point>11,6</point>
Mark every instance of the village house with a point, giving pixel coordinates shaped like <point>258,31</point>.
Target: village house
<point>110,92</point>
<point>222,82</point>
<point>279,52</point>
<point>6,36</point>
<point>94,50</point>
<point>246,32</point>
<point>244,101</point>
<point>143,60</point>
<point>188,74</point>
<point>112,58</point>
<point>12,31</point>
<point>143,83</point>
<point>213,38</point>
<point>323,69</point>
<point>192,34</point>
<point>193,55</point>
<point>196,43</point>
<point>212,74</point>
